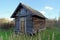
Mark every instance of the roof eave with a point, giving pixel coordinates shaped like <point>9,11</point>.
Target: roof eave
<point>17,8</point>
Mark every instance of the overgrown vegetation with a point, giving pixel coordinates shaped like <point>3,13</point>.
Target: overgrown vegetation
<point>48,34</point>
<point>52,31</point>
<point>6,24</point>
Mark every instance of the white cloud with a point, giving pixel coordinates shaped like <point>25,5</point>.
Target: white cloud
<point>43,12</point>
<point>45,9</point>
<point>48,8</point>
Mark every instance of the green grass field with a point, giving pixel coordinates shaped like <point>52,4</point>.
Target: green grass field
<point>48,34</point>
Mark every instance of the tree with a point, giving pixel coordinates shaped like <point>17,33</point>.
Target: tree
<point>6,24</point>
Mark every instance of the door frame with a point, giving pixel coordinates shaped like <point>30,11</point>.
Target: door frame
<point>24,24</point>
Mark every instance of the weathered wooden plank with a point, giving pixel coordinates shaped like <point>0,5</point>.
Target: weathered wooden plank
<point>38,23</point>
<point>29,24</point>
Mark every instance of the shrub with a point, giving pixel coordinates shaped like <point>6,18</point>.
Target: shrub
<point>6,24</point>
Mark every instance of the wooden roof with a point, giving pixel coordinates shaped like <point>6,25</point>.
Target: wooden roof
<point>34,12</point>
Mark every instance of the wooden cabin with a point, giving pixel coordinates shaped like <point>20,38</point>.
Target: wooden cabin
<point>28,20</point>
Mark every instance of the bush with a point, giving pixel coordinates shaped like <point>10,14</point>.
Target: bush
<point>6,24</point>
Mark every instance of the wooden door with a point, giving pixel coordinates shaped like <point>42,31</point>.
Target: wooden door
<point>22,24</point>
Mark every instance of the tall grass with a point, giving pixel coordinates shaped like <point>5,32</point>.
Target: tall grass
<point>38,36</point>
<point>48,34</point>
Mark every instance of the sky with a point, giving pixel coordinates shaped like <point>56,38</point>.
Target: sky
<point>49,8</point>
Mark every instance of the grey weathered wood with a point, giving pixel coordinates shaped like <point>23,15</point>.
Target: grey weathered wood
<point>29,24</point>
<point>29,20</point>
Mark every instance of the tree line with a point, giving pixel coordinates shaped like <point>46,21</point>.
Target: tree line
<point>6,24</point>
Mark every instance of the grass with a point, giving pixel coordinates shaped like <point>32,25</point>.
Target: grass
<point>48,34</point>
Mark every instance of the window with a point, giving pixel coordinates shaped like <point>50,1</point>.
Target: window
<point>23,11</point>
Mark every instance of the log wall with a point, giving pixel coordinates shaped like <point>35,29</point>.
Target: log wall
<point>38,23</point>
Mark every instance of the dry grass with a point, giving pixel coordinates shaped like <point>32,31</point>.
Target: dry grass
<point>48,34</point>
<point>25,37</point>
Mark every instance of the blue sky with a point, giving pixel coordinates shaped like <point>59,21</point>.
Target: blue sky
<point>49,8</point>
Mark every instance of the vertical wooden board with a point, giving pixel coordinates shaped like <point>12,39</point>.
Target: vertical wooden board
<point>17,26</point>
<point>22,24</point>
<point>29,24</point>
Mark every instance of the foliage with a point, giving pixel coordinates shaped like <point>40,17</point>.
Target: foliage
<point>51,23</point>
<point>48,34</point>
<point>6,24</point>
